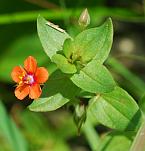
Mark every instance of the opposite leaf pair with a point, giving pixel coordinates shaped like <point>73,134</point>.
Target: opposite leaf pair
<point>82,56</point>
<point>93,43</point>
<point>89,50</point>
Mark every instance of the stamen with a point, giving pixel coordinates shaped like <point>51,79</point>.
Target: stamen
<point>29,79</point>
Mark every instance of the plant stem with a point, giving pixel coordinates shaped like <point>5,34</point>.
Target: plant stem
<point>91,135</point>
<point>139,141</point>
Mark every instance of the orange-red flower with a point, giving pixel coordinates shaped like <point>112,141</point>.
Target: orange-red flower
<point>29,79</point>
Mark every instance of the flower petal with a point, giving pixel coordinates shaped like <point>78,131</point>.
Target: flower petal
<point>22,91</point>
<point>17,73</point>
<point>35,91</point>
<point>30,65</point>
<point>41,75</point>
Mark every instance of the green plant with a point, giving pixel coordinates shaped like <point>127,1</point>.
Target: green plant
<point>81,80</point>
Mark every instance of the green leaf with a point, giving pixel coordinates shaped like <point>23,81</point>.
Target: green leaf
<point>92,43</point>
<point>48,104</point>
<point>60,83</point>
<point>11,132</point>
<point>94,78</point>
<point>116,110</point>
<point>115,141</point>
<point>63,64</point>
<point>52,40</point>
<point>67,47</point>
<point>103,53</point>
<point>57,91</point>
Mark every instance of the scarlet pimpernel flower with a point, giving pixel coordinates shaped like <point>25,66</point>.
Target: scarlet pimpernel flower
<point>29,79</point>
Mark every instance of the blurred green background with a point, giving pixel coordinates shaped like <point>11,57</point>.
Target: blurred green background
<point>22,130</point>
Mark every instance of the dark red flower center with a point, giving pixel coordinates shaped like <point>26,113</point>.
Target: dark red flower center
<point>29,79</point>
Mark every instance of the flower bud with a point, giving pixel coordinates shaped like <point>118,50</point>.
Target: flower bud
<point>80,116</point>
<point>84,19</point>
